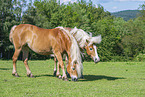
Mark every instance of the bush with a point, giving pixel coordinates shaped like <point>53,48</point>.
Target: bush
<point>118,59</point>
<point>140,57</point>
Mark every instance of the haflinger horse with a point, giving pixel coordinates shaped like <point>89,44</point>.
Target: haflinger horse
<point>85,41</point>
<point>45,42</point>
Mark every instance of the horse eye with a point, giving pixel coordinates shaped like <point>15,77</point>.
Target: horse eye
<point>73,68</point>
<point>91,48</point>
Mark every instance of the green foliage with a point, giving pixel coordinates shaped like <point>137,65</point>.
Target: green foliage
<point>10,15</point>
<point>140,58</point>
<point>127,14</point>
<point>142,14</point>
<point>133,41</point>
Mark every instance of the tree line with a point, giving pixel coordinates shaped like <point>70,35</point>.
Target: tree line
<point>126,14</point>
<point>121,40</point>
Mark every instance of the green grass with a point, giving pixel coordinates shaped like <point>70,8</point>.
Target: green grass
<point>105,79</point>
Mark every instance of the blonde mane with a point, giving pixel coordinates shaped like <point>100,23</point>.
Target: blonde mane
<point>81,36</point>
<point>75,52</point>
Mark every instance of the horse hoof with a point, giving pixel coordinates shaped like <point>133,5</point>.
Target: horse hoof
<point>16,75</point>
<point>65,79</point>
<point>59,77</point>
<point>30,75</point>
<point>54,74</point>
<point>68,75</point>
<point>82,77</point>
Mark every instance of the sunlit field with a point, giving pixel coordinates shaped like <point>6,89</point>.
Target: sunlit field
<point>105,79</point>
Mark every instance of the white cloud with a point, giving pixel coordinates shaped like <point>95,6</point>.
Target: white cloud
<point>128,0</point>
<point>106,1</point>
<point>96,5</point>
<point>114,7</point>
<point>66,1</point>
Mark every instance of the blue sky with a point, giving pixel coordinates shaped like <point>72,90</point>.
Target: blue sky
<point>114,5</point>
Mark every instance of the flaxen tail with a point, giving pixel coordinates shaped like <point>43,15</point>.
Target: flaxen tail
<point>11,33</point>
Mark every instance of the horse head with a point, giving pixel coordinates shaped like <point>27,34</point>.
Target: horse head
<point>74,69</point>
<point>91,48</point>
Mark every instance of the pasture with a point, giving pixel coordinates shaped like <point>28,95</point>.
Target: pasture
<point>105,79</point>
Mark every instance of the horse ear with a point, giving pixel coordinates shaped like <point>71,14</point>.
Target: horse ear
<point>87,42</point>
<point>96,39</point>
<point>75,27</point>
<point>90,34</point>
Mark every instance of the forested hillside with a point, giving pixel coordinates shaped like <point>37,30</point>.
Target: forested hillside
<point>121,40</point>
<point>127,14</point>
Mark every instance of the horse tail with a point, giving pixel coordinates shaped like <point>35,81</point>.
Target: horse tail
<point>11,33</point>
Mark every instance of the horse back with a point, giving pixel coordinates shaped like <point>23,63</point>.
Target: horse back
<point>42,41</point>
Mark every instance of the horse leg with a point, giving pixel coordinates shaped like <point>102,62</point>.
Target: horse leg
<point>58,71</point>
<point>15,57</point>
<point>66,62</point>
<point>55,61</point>
<point>60,61</point>
<point>82,76</point>
<point>25,60</point>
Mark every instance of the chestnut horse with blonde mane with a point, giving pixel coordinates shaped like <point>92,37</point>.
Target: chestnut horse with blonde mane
<point>45,42</point>
<point>85,41</point>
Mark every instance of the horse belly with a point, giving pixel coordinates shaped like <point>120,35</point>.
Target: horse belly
<point>42,50</point>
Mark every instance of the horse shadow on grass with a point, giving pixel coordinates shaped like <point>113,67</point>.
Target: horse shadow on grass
<point>47,75</point>
<point>88,77</point>
<point>5,68</point>
<point>100,77</point>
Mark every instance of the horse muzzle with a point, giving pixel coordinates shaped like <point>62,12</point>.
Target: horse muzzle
<point>74,78</point>
<point>96,60</point>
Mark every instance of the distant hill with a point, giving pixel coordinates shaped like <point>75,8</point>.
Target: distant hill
<point>126,14</point>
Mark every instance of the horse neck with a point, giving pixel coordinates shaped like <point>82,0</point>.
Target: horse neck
<point>76,57</point>
<point>80,37</point>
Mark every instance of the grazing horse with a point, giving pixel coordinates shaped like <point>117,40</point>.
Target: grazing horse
<point>45,42</point>
<point>85,41</point>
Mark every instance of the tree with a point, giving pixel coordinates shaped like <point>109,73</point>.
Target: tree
<point>11,12</point>
<point>133,42</point>
<point>142,15</point>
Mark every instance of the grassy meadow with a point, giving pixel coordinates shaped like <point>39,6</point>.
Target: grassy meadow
<point>105,79</point>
